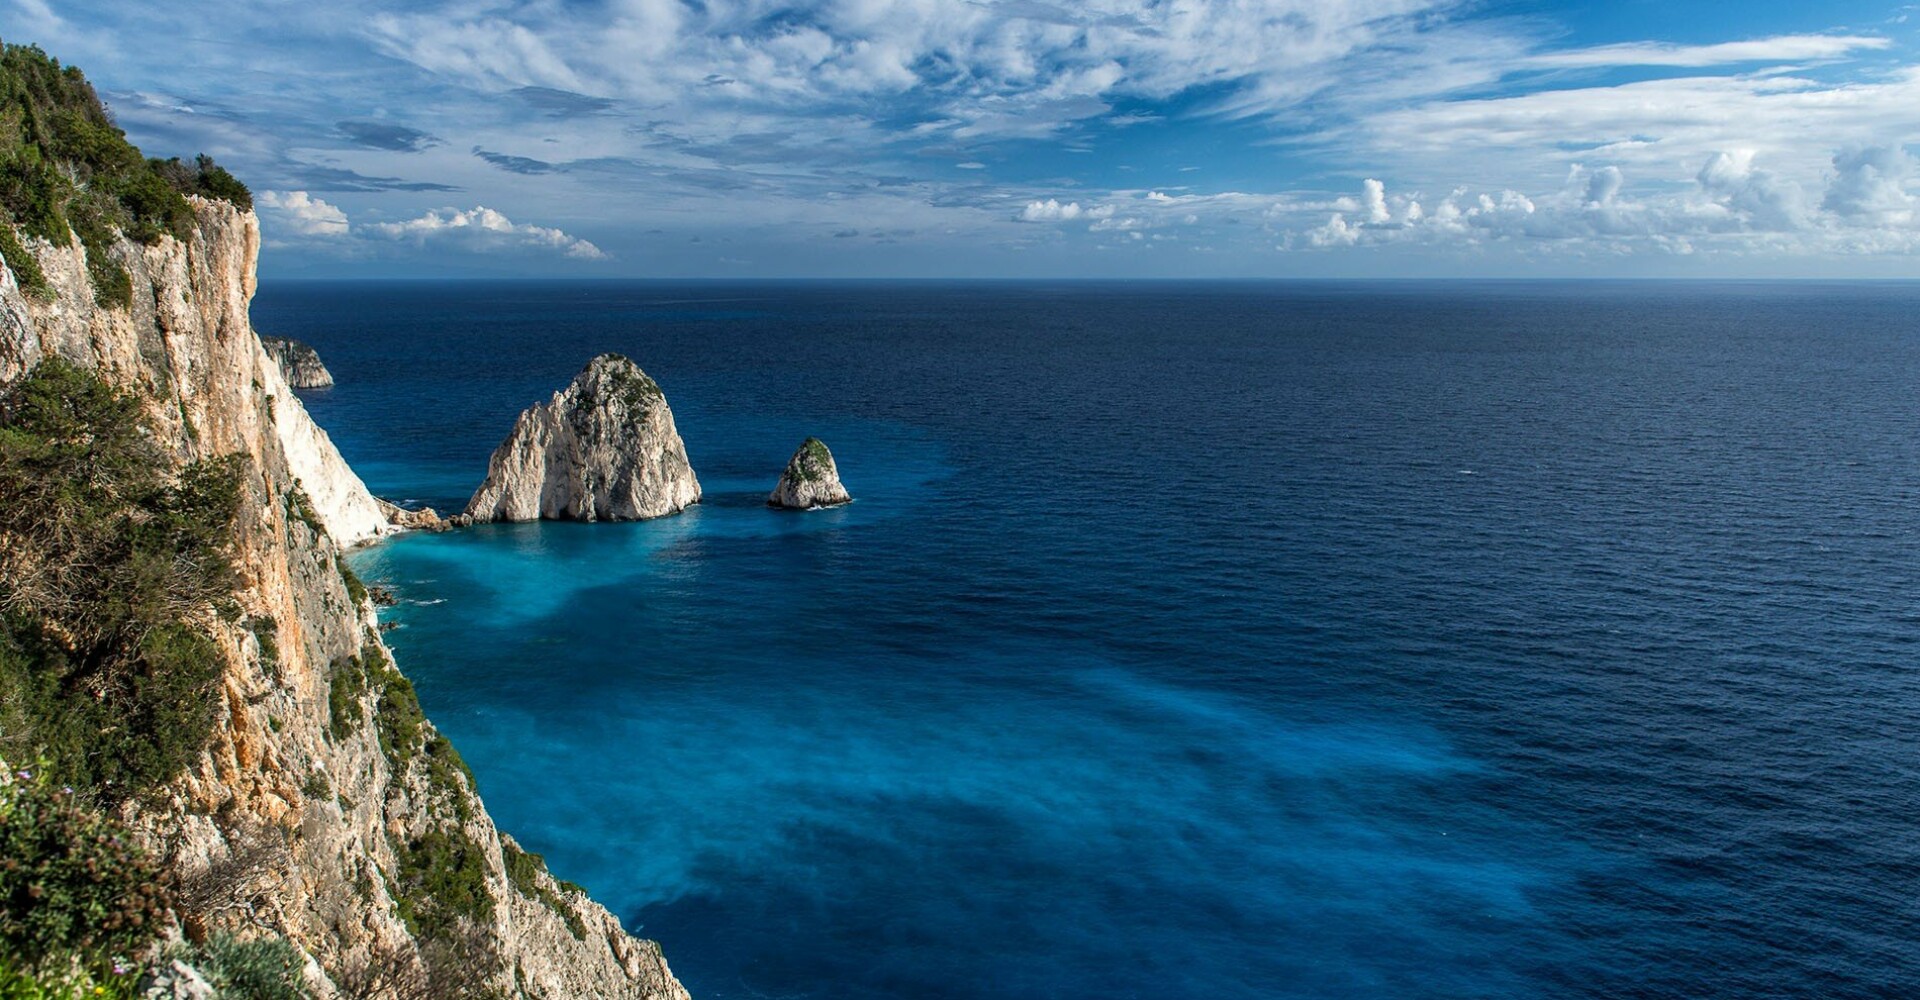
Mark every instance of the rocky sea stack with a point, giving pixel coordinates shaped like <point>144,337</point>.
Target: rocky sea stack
<point>299,362</point>
<point>602,449</point>
<point>811,479</point>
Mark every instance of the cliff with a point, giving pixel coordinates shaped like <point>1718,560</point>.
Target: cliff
<point>326,808</point>
<point>602,449</point>
<point>299,362</point>
<point>811,479</point>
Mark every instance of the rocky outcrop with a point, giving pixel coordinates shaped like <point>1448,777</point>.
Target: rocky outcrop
<point>421,519</point>
<point>299,362</point>
<point>602,449</point>
<point>811,479</point>
<point>324,793</point>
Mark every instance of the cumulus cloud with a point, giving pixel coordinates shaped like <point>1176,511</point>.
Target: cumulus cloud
<point>1050,210</point>
<point>301,214</point>
<point>1750,198</point>
<point>1869,186</point>
<point>482,229</point>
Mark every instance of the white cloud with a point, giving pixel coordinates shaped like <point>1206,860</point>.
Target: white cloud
<point>990,67</point>
<point>1733,204</point>
<point>1784,48</point>
<point>1050,210</point>
<point>1658,126</point>
<point>1869,186</point>
<point>1374,198</point>
<point>482,229</point>
<point>302,214</point>
<point>1750,198</point>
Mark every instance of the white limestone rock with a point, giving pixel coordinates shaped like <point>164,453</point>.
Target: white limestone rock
<point>602,449</point>
<point>811,479</point>
<point>298,361</point>
<point>176,981</point>
<point>184,346</point>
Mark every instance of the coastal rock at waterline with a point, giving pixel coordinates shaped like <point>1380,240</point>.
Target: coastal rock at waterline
<point>412,519</point>
<point>811,479</point>
<point>602,449</point>
<point>299,362</point>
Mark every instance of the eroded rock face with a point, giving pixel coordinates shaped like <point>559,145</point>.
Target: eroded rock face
<point>602,449</point>
<point>299,362</point>
<point>811,479</point>
<point>315,775</point>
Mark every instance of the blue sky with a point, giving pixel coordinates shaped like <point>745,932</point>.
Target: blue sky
<point>958,138</point>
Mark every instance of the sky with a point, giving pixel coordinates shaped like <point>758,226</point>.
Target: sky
<point>1023,138</point>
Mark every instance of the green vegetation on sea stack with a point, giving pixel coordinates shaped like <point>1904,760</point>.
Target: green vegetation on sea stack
<point>65,166</point>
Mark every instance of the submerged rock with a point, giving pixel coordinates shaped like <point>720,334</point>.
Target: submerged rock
<point>299,362</point>
<point>811,479</point>
<point>602,449</point>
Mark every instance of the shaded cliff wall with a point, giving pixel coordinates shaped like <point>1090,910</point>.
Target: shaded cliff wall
<point>326,808</point>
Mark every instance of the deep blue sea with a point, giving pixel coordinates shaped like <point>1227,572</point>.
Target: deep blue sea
<point>1212,641</point>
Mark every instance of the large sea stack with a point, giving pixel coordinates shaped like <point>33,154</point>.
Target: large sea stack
<point>811,479</point>
<point>299,362</point>
<point>602,449</point>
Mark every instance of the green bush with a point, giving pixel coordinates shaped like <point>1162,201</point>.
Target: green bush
<point>266,635</point>
<point>442,880</point>
<point>25,268</point>
<point>111,564</point>
<point>356,588</point>
<point>252,969</point>
<point>73,887</point>
<point>345,688</point>
<point>401,721</point>
<point>523,872</point>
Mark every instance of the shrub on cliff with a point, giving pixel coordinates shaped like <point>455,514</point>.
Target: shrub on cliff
<point>76,895</point>
<point>64,165</point>
<point>259,968</point>
<point>111,567</point>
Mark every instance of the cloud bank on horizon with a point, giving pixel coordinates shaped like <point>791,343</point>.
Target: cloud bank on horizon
<point>1021,137</point>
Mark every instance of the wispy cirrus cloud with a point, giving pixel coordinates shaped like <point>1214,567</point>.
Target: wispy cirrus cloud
<point>1780,49</point>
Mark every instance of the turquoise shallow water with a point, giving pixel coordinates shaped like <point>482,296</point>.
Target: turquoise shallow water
<point>1191,641</point>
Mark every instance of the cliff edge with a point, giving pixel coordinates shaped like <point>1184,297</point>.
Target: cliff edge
<point>325,808</point>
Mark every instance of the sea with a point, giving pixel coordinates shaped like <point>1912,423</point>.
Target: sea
<point>1223,641</point>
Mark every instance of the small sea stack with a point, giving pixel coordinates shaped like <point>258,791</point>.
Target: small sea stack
<point>602,449</point>
<point>299,362</point>
<point>811,479</point>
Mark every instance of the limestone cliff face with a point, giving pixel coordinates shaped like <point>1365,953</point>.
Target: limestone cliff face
<point>602,449</point>
<point>324,793</point>
<point>299,362</point>
<point>810,480</point>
